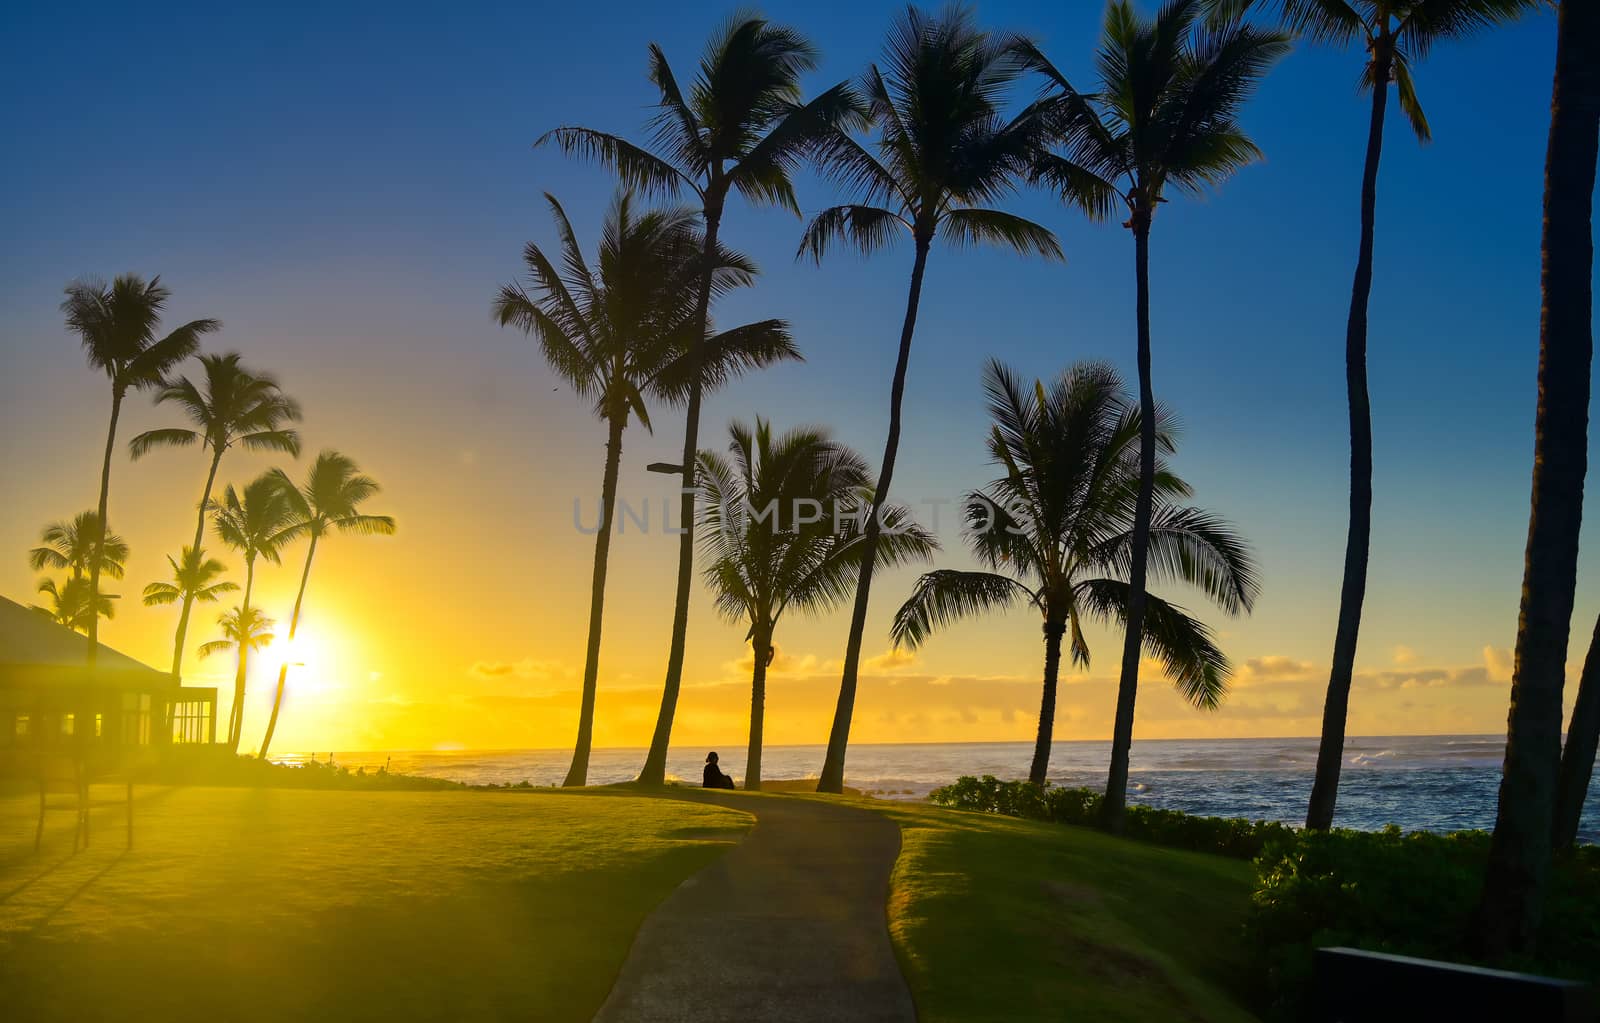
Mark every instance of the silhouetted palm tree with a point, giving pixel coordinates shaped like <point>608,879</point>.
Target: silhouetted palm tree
<point>1577,756</point>
<point>69,603</point>
<point>1395,35</point>
<point>70,545</point>
<point>740,128</point>
<point>620,333</point>
<point>775,521</point>
<point>328,501</point>
<point>117,327</point>
<point>232,405</point>
<point>194,577</point>
<point>945,151</point>
<point>1056,532</point>
<point>1164,117</point>
<point>244,629</point>
<point>251,523</point>
<point>1519,852</point>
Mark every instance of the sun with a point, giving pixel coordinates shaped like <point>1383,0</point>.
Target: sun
<point>312,660</point>
<point>305,654</point>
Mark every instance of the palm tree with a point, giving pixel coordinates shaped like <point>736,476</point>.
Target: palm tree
<point>194,577</point>
<point>620,332</point>
<point>771,521</point>
<point>329,500</point>
<point>741,128</point>
<point>251,523</point>
<point>231,406</point>
<point>1165,116</point>
<point>70,545</point>
<point>244,629</point>
<point>1577,756</point>
<point>1396,35</point>
<point>1519,852</point>
<point>69,603</point>
<point>117,327</point>
<point>944,152</point>
<point>1056,532</point>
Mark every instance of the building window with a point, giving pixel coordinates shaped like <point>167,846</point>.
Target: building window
<point>136,719</point>
<point>191,721</point>
<point>23,726</point>
<point>69,724</point>
<point>99,725</point>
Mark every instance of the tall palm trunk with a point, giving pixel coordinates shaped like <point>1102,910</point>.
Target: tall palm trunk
<point>1053,632</point>
<point>100,530</point>
<point>654,771</point>
<point>1113,808</point>
<point>199,535</point>
<point>283,669</point>
<point>578,773</point>
<point>832,779</point>
<point>1577,757</point>
<point>1353,590</point>
<point>761,646</point>
<point>1519,852</point>
<point>236,716</point>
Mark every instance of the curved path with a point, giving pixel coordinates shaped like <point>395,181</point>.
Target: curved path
<point>789,926</point>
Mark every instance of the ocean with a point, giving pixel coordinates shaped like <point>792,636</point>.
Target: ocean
<point>1433,783</point>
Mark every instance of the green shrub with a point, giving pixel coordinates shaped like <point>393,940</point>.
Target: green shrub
<point>216,765</point>
<point>1405,893</point>
<point>1221,835</point>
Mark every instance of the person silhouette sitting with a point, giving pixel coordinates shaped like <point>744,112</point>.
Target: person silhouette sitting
<point>714,778</point>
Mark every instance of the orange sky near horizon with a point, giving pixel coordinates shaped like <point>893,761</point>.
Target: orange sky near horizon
<point>466,629</point>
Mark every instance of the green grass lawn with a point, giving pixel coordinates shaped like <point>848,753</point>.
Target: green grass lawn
<point>273,904</point>
<point>1002,919</point>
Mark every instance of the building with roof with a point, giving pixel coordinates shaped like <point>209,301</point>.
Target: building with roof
<point>50,699</point>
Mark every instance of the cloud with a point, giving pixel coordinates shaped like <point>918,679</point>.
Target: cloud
<point>1273,668</point>
<point>1497,661</point>
<point>892,659</point>
<point>527,669</point>
<point>783,663</point>
<point>1424,678</point>
<point>1404,656</point>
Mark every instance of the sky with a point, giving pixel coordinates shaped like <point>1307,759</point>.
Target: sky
<point>346,186</point>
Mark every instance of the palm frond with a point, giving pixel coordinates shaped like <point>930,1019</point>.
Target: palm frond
<point>1195,665</point>
<point>146,442</point>
<point>726,356</point>
<point>1410,105</point>
<point>867,228</point>
<point>635,167</point>
<point>945,596</point>
<point>366,525</point>
<point>970,226</point>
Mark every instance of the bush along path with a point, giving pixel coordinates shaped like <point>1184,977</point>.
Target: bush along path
<point>789,926</point>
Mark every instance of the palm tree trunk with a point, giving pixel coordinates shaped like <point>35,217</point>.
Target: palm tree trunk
<point>1519,851</point>
<point>1577,758</point>
<point>283,669</point>
<point>1353,590</point>
<point>654,771</point>
<point>1113,807</point>
<point>236,716</point>
<point>100,536</point>
<point>1053,632</point>
<point>188,598</point>
<point>578,773</point>
<point>761,646</point>
<point>832,778</point>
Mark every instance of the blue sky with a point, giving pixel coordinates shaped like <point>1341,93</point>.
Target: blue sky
<point>346,187</point>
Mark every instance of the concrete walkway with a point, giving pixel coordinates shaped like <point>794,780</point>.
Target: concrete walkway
<point>789,926</point>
